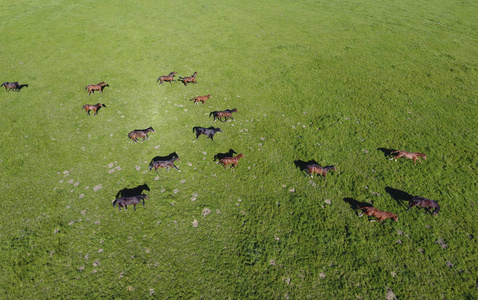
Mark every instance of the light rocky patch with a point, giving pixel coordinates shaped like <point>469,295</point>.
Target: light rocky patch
<point>206,211</point>
<point>195,223</point>
<point>98,187</point>
<point>390,295</point>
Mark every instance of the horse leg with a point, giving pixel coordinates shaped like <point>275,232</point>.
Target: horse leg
<point>176,168</point>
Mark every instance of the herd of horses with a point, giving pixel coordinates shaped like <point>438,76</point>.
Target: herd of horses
<point>229,158</point>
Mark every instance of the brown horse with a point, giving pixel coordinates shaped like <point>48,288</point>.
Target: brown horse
<point>169,163</point>
<point>230,161</point>
<point>168,78</point>
<point>201,99</point>
<point>314,168</point>
<point>132,200</point>
<point>424,202</point>
<point>95,108</point>
<point>381,215</point>
<point>223,114</point>
<point>11,86</point>
<point>409,155</point>
<point>189,79</point>
<point>138,133</point>
<point>96,87</point>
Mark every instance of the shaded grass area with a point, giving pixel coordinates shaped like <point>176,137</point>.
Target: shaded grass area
<point>330,82</point>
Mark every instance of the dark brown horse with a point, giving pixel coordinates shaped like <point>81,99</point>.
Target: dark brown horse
<point>230,161</point>
<point>223,114</point>
<point>132,200</point>
<point>209,132</point>
<point>95,108</point>
<point>201,99</point>
<point>189,79</point>
<point>169,163</point>
<point>424,202</point>
<point>409,155</point>
<point>13,86</point>
<point>96,87</point>
<point>140,133</point>
<point>168,78</point>
<point>314,168</point>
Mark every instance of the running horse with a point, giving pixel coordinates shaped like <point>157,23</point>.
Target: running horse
<point>169,78</point>
<point>319,170</point>
<point>409,155</point>
<point>15,86</point>
<point>95,108</point>
<point>96,87</point>
<point>189,79</point>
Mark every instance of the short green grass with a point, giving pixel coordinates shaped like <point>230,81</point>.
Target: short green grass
<point>330,81</point>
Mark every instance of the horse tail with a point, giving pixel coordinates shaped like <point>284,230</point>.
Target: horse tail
<point>3,84</point>
<point>195,128</point>
<point>83,106</point>
<point>114,202</point>
<point>151,165</point>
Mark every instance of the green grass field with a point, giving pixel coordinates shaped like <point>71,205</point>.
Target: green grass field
<point>326,81</point>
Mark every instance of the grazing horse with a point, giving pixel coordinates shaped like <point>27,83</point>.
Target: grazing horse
<point>209,132</point>
<point>223,114</point>
<point>424,202</point>
<point>186,80</point>
<point>230,160</point>
<point>168,78</point>
<point>201,99</point>
<point>169,163</point>
<point>96,87</point>
<point>409,155</point>
<point>381,215</point>
<point>132,200</point>
<point>138,133</point>
<point>314,168</point>
<point>95,108</point>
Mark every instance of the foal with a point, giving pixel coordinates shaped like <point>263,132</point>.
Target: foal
<point>168,78</point>
<point>138,133</point>
<point>223,114</point>
<point>424,202</point>
<point>201,99</point>
<point>96,87</point>
<point>94,108</point>
<point>186,80</point>
<point>409,155</point>
<point>381,215</point>
<point>314,168</point>
<point>230,161</point>
<point>164,164</point>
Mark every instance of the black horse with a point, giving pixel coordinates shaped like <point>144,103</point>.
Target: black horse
<point>15,86</point>
<point>209,132</point>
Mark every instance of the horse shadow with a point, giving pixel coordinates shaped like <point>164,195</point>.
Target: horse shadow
<point>168,157</point>
<point>220,156</point>
<point>398,195</point>
<point>127,192</point>
<point>302,165</point>
<point>21,86</point>
<point>356,205</point>
<point>386,152</point>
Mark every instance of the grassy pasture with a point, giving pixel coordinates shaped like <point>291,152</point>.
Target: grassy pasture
<point>330,81</point>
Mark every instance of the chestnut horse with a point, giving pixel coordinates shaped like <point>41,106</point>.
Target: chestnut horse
<point>96,87</point>
<point>138,133</point>
<point>201,99</point>
<point>230,161</point>
<point>186,80</point>
<point>381,215</point>
<point>424,202</point>
<point>223,114</point>
<point>409,155</point>
<point>314,168</point>
<point>168,78</point>
<point>95,108</point>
